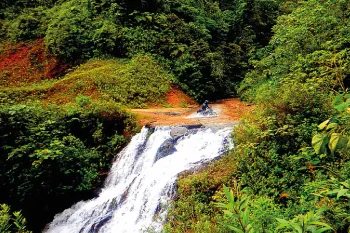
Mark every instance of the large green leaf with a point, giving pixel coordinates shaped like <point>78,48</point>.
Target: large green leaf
<point>337,141</point>
<point>297,227</point>
<point>332,126</point>
<point>229,194</point>
<point>319,142</point>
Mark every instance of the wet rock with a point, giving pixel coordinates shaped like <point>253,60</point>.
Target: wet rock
<point>177,132</point>
<point>167,148</point>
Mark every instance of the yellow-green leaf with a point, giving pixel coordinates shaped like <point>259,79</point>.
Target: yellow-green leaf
<point>337,141</point>
<point>323,124</point>
<point>319,142</point>
<point>342,192</point>
<point>332,126</point>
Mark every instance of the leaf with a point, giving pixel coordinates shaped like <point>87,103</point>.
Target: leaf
<point>342,192</point>
<point>332,192</point>
<point>280,220</point>
<point>332,126</point>
<point>319,142</point>
<point>222,205</point>
<point>229,213</point>
<point>297,227</point>
<point>235,229</point>
<point>343,141</point>
<point>317,223</point>
<point>346,184</point>
<point>337,141</point>
<point>245,216</point>
<point>243,203</point>
<point>322,230</point>
<point>182,49</point>
<point>229,194</point>
<point>342,107</point>
<point>338,99</point>
<point>284,223</point>
<point>249,228</point>
<point>323,124</point>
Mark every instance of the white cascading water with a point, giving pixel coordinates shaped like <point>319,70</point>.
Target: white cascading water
<point>141,182</point>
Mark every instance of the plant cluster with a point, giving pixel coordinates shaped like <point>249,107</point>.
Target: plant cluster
<point>11,222</point>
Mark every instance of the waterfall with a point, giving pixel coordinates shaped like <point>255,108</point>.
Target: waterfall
<point>142,181</point>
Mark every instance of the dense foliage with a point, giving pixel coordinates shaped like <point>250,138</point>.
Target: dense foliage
<point>52,157</point>
<point>290,168</point>
<point>205,44</point>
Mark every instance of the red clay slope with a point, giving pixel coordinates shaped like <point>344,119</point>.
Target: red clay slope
<point>27,63</point>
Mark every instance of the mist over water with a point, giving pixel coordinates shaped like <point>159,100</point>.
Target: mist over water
<point>142,181</point>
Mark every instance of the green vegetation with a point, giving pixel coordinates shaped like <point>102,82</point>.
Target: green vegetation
<point>205,44</point>
<point>289,171</point>
<point>52,157</point>
<point>131,83</point>
<point>9,223</point>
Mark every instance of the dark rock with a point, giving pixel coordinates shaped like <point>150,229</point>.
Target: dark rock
<point>167,148</point>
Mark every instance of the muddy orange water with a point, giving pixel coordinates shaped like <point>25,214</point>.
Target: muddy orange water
<point>228,111</point>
